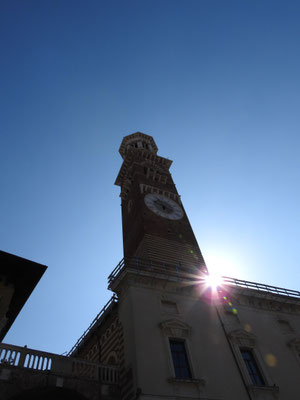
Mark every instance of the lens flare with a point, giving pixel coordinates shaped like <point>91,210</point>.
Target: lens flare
<point>213,280</point>
<point>223,263</point>
<point>271,360</point>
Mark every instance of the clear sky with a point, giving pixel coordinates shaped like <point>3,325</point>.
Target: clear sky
<point>216,83</point>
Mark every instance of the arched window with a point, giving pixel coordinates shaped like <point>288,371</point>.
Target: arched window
<point>112,358</point>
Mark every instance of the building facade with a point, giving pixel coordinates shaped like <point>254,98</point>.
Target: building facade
<point>171,336</point>
<point>167,334</point>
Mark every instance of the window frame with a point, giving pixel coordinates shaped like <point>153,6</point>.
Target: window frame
<point>294,345</point>
<point>256,366</point>
<point>240,339</point>
<point>175,329</point>
<point>186,359</point>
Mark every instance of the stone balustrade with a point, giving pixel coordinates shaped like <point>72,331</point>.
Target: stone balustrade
<point>23,357</point>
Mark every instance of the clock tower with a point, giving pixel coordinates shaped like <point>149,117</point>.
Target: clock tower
<point>155,225</point>
<point>164,328</point>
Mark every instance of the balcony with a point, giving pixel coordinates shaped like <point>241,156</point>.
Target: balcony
<point>42,362</point>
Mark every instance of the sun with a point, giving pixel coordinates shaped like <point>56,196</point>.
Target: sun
<point>222,264</point>
<point>218,265</point>
<point>213,280</point>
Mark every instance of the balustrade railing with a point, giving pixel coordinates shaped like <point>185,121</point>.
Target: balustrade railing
<point>156,267</point>
<point>260,287</point>
<point>22,357</point>
<point>192,273</point>
<point>107,306</point>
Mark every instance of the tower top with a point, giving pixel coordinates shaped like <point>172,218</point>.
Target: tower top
<point>138,140</point>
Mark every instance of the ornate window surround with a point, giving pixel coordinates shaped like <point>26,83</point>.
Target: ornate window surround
<point>176,329</point>
<point>294,345</point>
<point>242,339</point>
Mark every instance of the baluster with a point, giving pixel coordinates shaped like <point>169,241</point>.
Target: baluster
<point>3,355</point>
<point>40,363</point>
<point>17,358</point>
<point>24,360</point>
<point>36,361</point>
<point>12,357</point>
<point>8,356</point>
<point>31,361</point>
<point>27,361</point>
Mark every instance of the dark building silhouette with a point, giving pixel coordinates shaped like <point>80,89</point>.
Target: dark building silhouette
<point>18,278</point>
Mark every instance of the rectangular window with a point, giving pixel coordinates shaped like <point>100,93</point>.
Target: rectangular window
<point>180,361</point>
<point>254,373</point>
<point>169,307</point>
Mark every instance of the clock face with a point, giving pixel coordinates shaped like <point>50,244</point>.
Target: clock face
<point>163,206</point>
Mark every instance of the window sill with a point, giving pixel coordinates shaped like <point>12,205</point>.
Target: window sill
<point>199,382</point>
<point>264,392</point>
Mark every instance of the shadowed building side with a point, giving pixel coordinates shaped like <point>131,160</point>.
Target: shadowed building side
<point>18,278</point>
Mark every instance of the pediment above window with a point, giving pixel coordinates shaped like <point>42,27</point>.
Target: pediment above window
<point>294,344</point>
<point>242,338</point>
<point>175,328</point>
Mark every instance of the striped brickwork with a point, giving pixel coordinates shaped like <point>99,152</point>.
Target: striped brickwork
<point>105,344</point>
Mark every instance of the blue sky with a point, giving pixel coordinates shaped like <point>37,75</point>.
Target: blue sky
<point>216,83</point>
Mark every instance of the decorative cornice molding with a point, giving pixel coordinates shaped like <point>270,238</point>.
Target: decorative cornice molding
<point>275,304</point>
